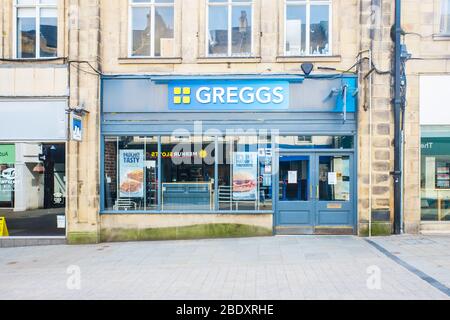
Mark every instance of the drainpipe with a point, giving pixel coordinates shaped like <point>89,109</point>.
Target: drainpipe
<point>397,174</point>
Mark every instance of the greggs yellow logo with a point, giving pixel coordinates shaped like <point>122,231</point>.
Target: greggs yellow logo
<point>182,95</point>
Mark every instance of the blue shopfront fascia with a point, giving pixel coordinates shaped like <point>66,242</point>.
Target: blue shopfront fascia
<point>249,93</point>
<point>348,81</point>
<point>238,93</point>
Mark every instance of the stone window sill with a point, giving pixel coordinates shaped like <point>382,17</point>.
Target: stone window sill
<point>39,61</point>
<point>297,59</point>
<point>207,60</point>
<point>145,60</point>
<point>441,37</point>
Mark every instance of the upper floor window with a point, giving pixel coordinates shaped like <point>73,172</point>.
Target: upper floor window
<point>445,17</point>
<point>308,27</point>
<point>229,28</point>
<point>36,28</point>
<point>152,28</point>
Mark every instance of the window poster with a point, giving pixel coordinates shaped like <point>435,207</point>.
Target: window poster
<point>245,174</point>
<point>332,178</point>
<point>7,182</point>
<point>131,168</point>
<point>292,177</point>
<point>7,172</point>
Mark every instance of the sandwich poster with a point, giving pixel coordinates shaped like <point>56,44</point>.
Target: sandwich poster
<point>245,176</point>
<point>131,166</point>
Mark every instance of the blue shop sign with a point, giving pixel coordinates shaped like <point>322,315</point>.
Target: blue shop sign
<point>228,95</point>
<point>76,128</point>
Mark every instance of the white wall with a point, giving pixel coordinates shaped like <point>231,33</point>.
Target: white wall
<point>33,120</point>
<point>435,99</point>
<point>29,188</point>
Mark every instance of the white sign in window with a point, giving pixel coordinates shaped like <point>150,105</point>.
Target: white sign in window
<point>292,177</point>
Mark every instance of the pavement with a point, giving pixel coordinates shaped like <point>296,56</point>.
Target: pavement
<point>284,267</point>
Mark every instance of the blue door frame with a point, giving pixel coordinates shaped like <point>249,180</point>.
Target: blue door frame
<point>312,209</point>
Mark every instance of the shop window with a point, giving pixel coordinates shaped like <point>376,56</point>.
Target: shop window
<point>33,188</point>
<point>308,28</point>
<point>7,175</point>
<point>245,173</point>
<point>435,178</point>
<point>188,173</point>
<point>445,18</point>
<point>229,28</point>
<point>315,142</point>
<point>152,28</point>
<point>36,28</point>
<point>178,173</point>
<point>131,169</point>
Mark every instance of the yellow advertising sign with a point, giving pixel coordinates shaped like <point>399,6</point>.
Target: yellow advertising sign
<point>3,228</point>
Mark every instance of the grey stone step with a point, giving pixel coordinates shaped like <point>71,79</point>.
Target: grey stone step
<point>30,242</point>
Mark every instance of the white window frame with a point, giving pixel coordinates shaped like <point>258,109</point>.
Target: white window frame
<point>444,8</point>
<point>307,4</point>
<point>152,5</point>
<point>229,4</point>
<point>37,6</point>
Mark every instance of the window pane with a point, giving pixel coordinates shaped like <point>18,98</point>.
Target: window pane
<point>245,173</point>
<point>337,189</point>
<point>319,30</point>
<point>164,45</point>
<point>294,178</point>
<point>32,2</point>
<point>445,17</point>
<point>295,30</point>
<point>241,30</point>
<point>26,33</point>
<point>151,173</point>
<point>141,31</point>
<point>7,185</point>
<point>218,31</point>
<point>188,173</point>
<point>316,142</point>
<point>49,33</point>
<point>265,171</point>
<point>110,168</point>
<point>124,173</point>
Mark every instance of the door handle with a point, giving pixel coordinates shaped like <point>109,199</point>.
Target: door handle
<point>311,191</point>
<point>317,192</point>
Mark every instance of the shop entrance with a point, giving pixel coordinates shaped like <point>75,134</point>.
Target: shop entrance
<point>316,193</point>
<point>33,189</point>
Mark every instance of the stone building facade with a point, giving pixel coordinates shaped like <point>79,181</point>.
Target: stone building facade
<point>427,40</point>
<point>95,42</point>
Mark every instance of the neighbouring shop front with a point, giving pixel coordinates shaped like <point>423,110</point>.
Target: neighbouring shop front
<point>435,153</point>
<point>32,166</point>
<point>200,156</point>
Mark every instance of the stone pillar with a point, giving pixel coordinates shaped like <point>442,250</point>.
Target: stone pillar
<point>376,20</point>
<point>83,157</point>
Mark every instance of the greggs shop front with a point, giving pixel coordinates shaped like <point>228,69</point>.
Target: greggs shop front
<point>220,156</point>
